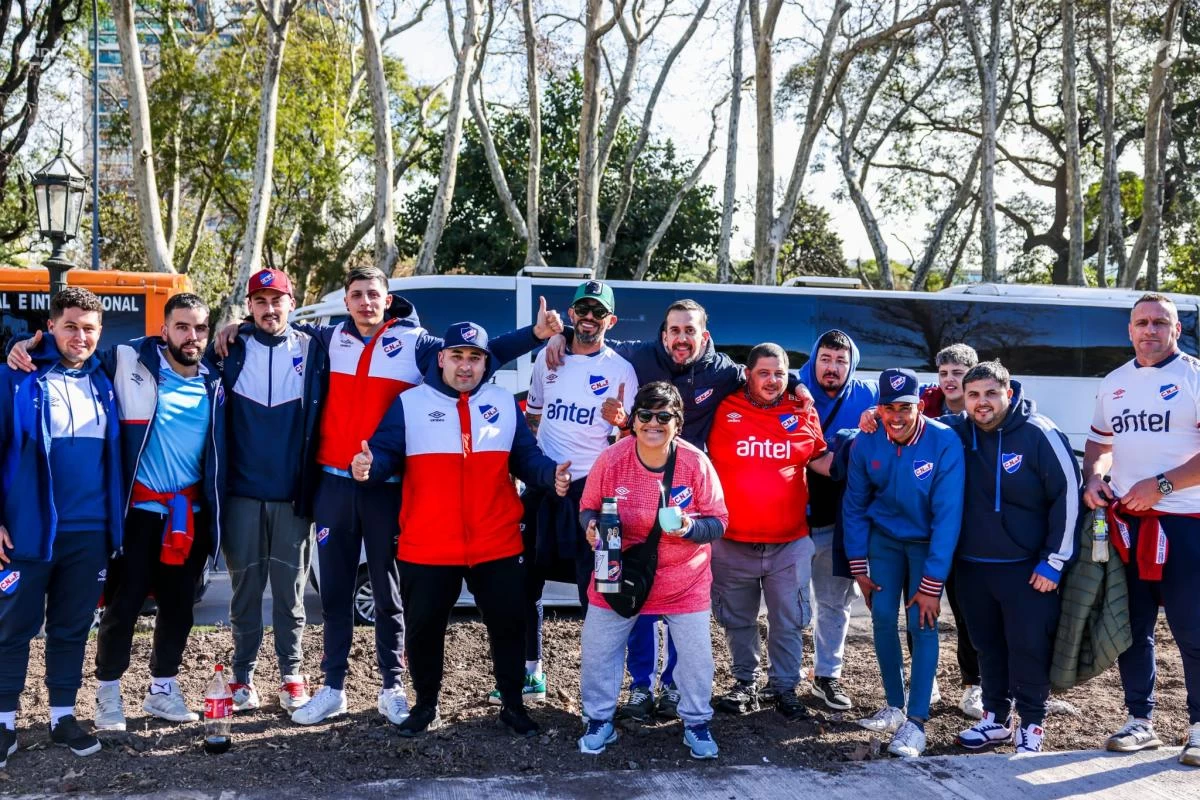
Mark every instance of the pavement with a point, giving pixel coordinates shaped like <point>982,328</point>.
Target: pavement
<point>1096,775</point>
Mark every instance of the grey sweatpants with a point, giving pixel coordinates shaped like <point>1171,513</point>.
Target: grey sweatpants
<point>604,635</point>
<point>832,598</point>
<point>743,573</point>
<point>265,540</point>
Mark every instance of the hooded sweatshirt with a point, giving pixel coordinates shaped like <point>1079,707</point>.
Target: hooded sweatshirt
<point>1022,493</point>
<point>840,411</point>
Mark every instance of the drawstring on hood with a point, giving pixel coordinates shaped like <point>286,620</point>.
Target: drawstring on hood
<point>1019,411</point>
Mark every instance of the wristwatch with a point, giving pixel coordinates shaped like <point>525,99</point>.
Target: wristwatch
<point>1165,487</point>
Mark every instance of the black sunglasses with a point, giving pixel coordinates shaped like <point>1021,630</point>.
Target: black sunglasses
<point>663,417</point>
<point>595,309</point>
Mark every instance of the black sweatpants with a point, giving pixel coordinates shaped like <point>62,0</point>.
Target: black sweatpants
<point>552,565</point>
<point>1013,625</point>
<point>429,593</point>
<point>351,517</point>
<point>139,572</point>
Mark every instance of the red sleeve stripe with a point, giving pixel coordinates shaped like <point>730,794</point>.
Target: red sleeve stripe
<point>1099,432</point>
<point>931,587</point>
<point>858,566</point>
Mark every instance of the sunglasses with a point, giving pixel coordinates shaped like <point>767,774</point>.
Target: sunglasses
<point>595,309</point>
<point>663,417</point>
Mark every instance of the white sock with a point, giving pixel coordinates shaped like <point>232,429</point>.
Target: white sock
<point>117,682</point>
<point>9,719</point>
<point>293,679</point>
<point>533,667</point>
<point>58,712</point>
<point>163,686</point>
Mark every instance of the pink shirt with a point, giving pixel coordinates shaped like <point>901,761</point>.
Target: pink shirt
<point>681,585</point>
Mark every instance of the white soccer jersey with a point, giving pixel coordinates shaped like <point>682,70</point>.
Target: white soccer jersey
<point>1149,415</point>
<point>569,401</point>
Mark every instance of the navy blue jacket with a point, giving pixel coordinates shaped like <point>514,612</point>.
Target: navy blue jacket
<point>26,483</point>
<point>1023,490</point>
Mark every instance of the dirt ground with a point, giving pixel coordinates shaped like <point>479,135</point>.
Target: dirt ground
<point>269,751</point>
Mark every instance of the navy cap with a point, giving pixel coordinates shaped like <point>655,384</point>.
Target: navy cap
<point>466,334</point>
<point>899,386</point>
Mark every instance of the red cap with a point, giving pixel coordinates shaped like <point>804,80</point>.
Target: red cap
<point>270,279</point>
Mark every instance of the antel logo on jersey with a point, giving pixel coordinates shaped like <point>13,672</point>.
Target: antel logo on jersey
<point>558,410</point>
<point>681,496</point>
<point>754,448</point>
<point>703,395</point>
<point>322,536</point>
<point>490,413</point>
<point>733,416</point>
<point>1167,392</point>
<point>298,364</point>
<point>922,469</point>
<point>392,347</point>
<point>598,384</point>
<point>1011,462</point>
<point>8,581</point>
<point>789,422</point>
<point>437,416</point>
<point>1141,422</point>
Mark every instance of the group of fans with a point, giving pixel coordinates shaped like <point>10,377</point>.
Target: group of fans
<point>127,469</point>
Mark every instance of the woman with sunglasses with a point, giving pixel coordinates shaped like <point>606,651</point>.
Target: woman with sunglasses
<point>633,470</point>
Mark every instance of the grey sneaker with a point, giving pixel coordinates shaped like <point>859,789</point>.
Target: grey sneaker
<point>1136,734</point>
<point>110,709</point>
<point>909,741</point>
<point>886,720</point>
<point>741,699</point>
<point>639,706</point>
<point>1191,747</point>
<point>170,706</point>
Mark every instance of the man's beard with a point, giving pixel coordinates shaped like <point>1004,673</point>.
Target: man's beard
<point>182,357</point>
<point>589,338</point>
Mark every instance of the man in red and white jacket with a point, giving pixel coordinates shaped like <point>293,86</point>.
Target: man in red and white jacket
<point>458,439</point>
<point>761,441</point>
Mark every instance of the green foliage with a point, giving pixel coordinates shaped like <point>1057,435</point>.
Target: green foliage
<point>1131,200</point>
<point>811,246</point>
<point>479,239</point>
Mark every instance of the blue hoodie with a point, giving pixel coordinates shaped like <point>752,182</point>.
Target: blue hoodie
<point>911,492</point>
<point>28,470</point>
<point>1023,490</point>
<point>840,411</point>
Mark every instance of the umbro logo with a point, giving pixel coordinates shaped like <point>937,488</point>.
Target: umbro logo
<point>137,378</point>
<point>622,491</point>
<point>437,416</point>
<point>733,416</point>
<point>552,377</point>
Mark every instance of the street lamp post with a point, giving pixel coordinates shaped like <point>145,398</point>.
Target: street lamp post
<point>58,190</point>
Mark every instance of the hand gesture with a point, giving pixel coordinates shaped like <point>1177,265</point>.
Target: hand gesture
<point>556,351</point>
<point>224,338</point>
<point>1041,583</point>
<point>929,608</point>
<point>867,586</point>
<point>868,423</point>
<point>5,545</point>
<point>18,357</point>
<point>360,465</point>
<point>1141,496</point>
<point>549,323</point>
<point>592,534</point>
<point>562,479</point>
<point>613,408</point>
<point>1096,493</point>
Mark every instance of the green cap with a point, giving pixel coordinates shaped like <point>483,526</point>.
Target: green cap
<point>599,291</point>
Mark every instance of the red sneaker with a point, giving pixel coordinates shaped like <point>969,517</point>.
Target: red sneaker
<point>245,697</point>
<point>293,693</point>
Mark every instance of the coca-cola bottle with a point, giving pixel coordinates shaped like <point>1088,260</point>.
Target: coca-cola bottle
<point>218,712</point>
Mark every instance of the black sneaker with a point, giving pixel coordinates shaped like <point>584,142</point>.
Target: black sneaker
<point>639,706</point>
<point>830,690</point>
<point>792,707</point>
<point>67,733</point>
<point>667,705</point>
<point>8,744</point>
<point>741,699</point>
<point>423,717</point>
<point>517,720</point>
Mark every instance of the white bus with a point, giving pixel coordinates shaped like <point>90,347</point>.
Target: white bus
<point>1058,341</point>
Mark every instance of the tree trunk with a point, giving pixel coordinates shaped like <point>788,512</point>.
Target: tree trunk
<point>278,17</point>
<point>729,198</point>
<point>762,35</point>
<point>1164,146</point>
<point>141,144</point>
<point>533,181</point>
<point>1106,128</point>
<point>1156,124</point>
<point>588,197</point>
<point>1071,130</point>
<point>985,66</point>
<point>448,172</point>
<point>386,255</point>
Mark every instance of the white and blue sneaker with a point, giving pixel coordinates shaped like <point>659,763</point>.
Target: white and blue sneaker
<point>909,741</point>
<point>986,733</point>
<point>700,741</point>
<point>599,734</point>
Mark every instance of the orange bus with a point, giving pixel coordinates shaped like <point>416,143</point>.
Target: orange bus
<point>133,301</point>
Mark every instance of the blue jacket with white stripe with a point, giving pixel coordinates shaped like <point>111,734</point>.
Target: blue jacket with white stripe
<point>1023,489</point>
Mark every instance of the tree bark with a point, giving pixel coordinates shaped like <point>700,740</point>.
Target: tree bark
<point>448,172</point>
<point>533,180</point>
<point>1070,102</point>
<point>1156,124</point>
<point>141,143</point>
<point>986,67</point>
<point>729,197</point>
<point>762,35</point>
<point>587,201</point>
<point>386,254</point>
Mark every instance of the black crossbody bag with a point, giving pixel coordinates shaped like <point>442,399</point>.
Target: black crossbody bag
<point>639,563</point>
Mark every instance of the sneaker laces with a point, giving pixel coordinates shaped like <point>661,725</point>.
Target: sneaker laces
<point>1193,737</point>
<point>1134,727</point>
<point>701,733</point>
<point>1023,736</point>
<point>671,693</point>
<point>594,726</point>
<point>908,733</point>
<point>639,695</point>
<point>833,687</point>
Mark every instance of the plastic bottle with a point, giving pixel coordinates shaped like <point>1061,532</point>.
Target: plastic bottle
<point>218,712</point>
<point>608,548</point>
<point>1100,535</point>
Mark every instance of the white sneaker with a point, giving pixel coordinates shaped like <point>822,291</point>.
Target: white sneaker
<point>909,741</point>
<point>293,693</point>
<point>1191,748</point>
<point>169,705</point>
<point>325,704</point>
<point>886,720</point>
<point>1029,739</point>
<point>393,704</point>
<point>1136,734</point>
<point>986,733</point>
<point>971,703</point>
<point>110,709</point>
<point>245,697</point>
<point>935,694</point>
